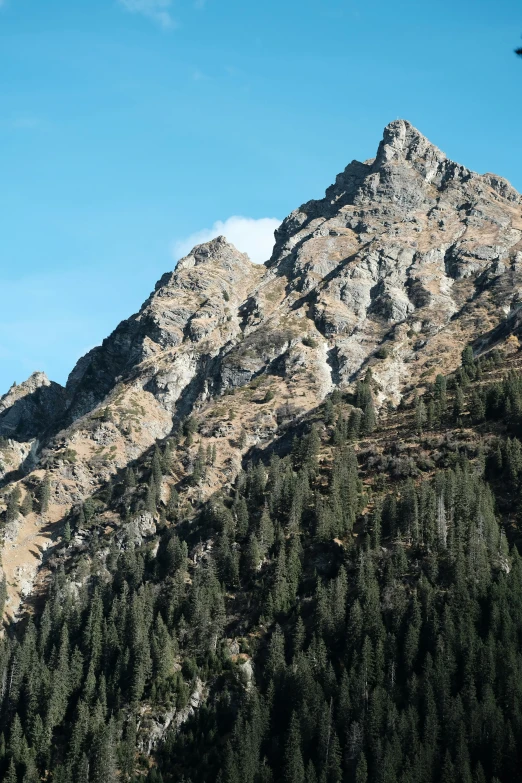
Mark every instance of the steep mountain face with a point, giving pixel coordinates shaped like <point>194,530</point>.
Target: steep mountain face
<point>27,408</point>
<point>403,251</point>
<point>188,320</point>
<point>408,258</point>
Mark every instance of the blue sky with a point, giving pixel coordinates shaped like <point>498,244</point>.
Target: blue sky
<point>128,126</point>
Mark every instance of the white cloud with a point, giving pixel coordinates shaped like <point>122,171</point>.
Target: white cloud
<point>255,237</point>
<point>158,10</point>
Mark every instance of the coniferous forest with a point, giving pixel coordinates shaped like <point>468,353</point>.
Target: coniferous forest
<point>351,611</point>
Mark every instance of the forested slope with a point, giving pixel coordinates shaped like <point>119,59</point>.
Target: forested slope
<point>352,610</point>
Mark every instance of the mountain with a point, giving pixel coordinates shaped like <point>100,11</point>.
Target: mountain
<point>261,461</point>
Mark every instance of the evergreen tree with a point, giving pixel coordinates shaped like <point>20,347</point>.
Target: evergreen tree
<point>354,424</point>
<point>420,414</point>
<point>467,357</point>
<point>11,776</point>
<point>156,466</point>
<point>198,470</point>
<point>294,771</point>
<point>458,406</point>
<point>361,773</point>
<point>27,504</point>
<point>151,499</point>
<point>329,412</point>
<point>45,493</point>
<point>440,393</point>
<point>13,504</point>
<point>369,419</point>
<point>477,407</point>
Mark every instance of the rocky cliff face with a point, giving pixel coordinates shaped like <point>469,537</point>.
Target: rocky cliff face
<point>408,258</point>
<point>400,253</point>
<point>27,408</point>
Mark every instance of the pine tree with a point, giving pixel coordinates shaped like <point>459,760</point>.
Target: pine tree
<point>354,424</point>
<point>45,493</point>
<point>294,771</point>
<point>156,467</point>
<point>3,594</point>
<point>311,774</point>
<point>190,427</point>
<point>31,772</point>
<point>128,749</point>
<point>83,769</point>
<point>167,458</point>
<point>130,478</point>
<point>420,414</point>
<point>266,531</point>
<point>276,654</point>
<point>280,590</point>
<point>329,412</point>
<point>103,760</point>
<point>299,637</point>
<point>13,504</point>
<point>458,406</point>
<point>151,499</point>
<point>441,394</point>
<point>376,525</point>
<point>163,650</point>
<point>11,776</point>
<point>369,419</point>
<point>172,505</point>
<point>467,357</point>
<point>433,415</point>
<point>57,705</point>
<point>81,521</point>
<point>27,504</point>
<point>361,772</point>
<point>198,470</point>
<point>252,555</point>
<point>477,407</point>
<point>16,738</point>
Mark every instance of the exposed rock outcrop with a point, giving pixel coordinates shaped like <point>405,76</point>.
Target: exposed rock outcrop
<point>407,237</point>
<point>27,409</point>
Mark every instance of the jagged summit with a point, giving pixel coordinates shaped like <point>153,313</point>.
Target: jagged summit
<point>218,251</point>
<point>401,141</point>
<point>408,173</point>
<point>17,390</point>
<point>28,407</point>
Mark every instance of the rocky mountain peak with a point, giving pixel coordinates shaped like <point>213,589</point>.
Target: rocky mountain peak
<point>387,250</point>
<point>401,142</point>
<point>25,410</point>
<point>217,251</point>
<point>17,390</point>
